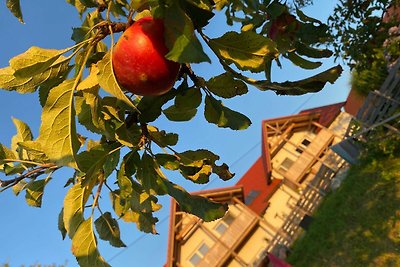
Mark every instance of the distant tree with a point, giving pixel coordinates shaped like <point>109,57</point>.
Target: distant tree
<point>359,31</point>
<point>69,83</point>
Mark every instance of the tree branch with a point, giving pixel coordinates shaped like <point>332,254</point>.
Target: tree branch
<point>30,174</point>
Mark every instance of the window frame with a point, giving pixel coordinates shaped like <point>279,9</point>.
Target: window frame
<point>198,253</point>
<point>224,222</point>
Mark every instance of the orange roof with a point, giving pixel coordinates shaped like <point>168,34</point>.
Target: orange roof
<point>328,113</point>
<point>254,182</point>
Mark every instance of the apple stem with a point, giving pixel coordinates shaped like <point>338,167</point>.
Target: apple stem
<point>104,29</point>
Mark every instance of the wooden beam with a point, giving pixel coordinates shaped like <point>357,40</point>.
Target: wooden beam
<point>230,248</point>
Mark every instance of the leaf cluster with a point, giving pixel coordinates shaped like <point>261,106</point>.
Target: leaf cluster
<point>358,30</point>
<point>129,156</point>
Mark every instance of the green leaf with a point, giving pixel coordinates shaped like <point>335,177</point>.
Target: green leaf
<point>162,138</point>
<point>223,171</point>
<point>169,162</point>
<point>226,86</point>
<point>61,226</point>
<point>184,47</point>
<point>89,3</point>
<point>149,175</point>
<point>49,84</point>
<point>34,192</point>
<point>90,82</point>
<point>308,85</point>
<point>309,51</point>
<point>133,203</point>
<point>150,106</point>
<point>23,134</point>
<point>247,50</point>
<point>108,82</point>
<point>15,8</point>
<point>92,162</point>
<point>11,169</point>
<point>215,112</point>
<point>52,76</point>
<point>84,246</point>
<point>108,229</point>
<point>131,161</point>
<point>129,136</point>
<point>6,153</point>
<point>88,109</point>
<point>19,187</point>
<point>74,205</point>
<point>34,61</point>
<point>303,17</point>
<point>196,158</point>
<point>220,4</point>
<point>301,62</point>
<point>34,151</point>
<point>175,114</point>
<point>58,136</point>
<point>145,221</point>
<point>78,5</point>
<point>194,204</point>
<point>198,175</point>
<point>199,11</point>
<point>275,9</point>
<point>188,99</point>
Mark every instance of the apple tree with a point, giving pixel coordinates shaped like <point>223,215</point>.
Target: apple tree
<point>78,85</point>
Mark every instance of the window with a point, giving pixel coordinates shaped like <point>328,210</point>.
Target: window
<point>306,142</point>
<point>224,223</point>
<point>286,164</point>
<point>199,254</point>
<point>253,194</point>
<point>302,146</point>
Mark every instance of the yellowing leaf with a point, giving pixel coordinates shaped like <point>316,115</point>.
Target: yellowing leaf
<point>28,84</point>
<point>34,61</point>
<point>88,109</point>
<point>23,134</point>
<point>74,203</point>
<point>108,82</point>
<point>34,151</point>
<point>90,82</point>
<point>58,131</point>
<point>84,246</point>
<point>247,50</point>
<point>34,192</point>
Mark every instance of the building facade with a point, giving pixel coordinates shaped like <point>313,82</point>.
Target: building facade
<point>272,204</point>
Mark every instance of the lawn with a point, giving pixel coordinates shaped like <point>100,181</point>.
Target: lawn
<point>359,224</point>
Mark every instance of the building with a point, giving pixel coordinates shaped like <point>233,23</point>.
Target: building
<point>272,204</point>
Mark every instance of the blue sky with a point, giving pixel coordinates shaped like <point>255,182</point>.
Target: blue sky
<point>29,235</point>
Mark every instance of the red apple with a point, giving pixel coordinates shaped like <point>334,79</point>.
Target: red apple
<point>139,59</point>
<point>283,24</point>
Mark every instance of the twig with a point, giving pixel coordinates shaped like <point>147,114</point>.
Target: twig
<point>30,174</point>
<point>96,197</point>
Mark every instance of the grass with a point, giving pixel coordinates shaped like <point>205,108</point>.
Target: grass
<point>359,224</point>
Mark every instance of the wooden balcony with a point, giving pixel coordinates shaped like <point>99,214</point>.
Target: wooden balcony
<point>225,245</point>
<point>309,155</point>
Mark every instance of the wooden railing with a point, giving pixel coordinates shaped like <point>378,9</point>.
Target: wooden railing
<point>309,200</point>
<point>225,244</point>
